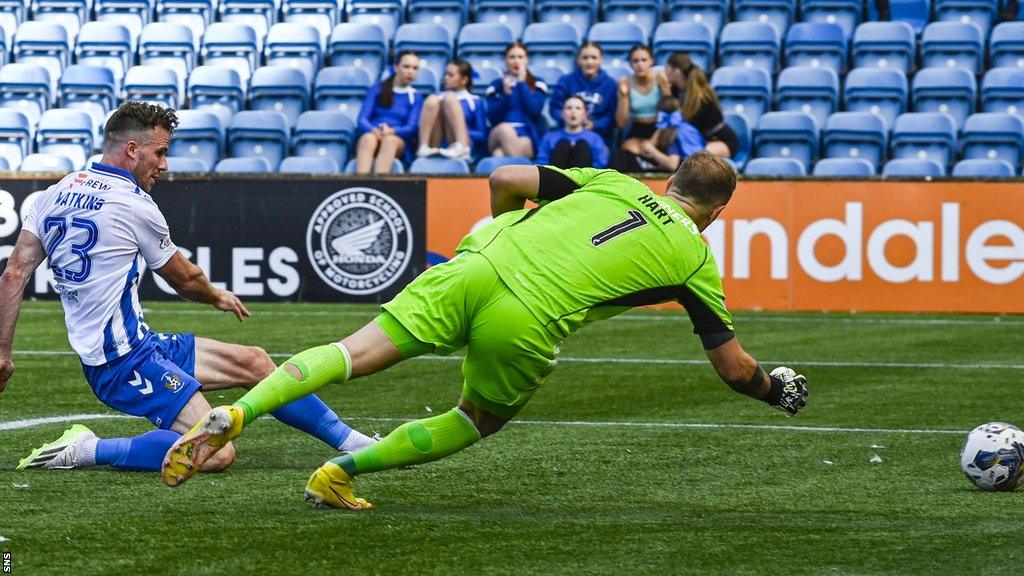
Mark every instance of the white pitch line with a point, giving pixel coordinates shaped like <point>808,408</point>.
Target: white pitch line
<point>32,422</point>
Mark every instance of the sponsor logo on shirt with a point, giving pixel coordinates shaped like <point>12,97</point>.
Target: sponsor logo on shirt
<point>165,242</point>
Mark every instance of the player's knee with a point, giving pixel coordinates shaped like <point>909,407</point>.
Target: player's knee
<point>259,362</point>
<point>221,460</point>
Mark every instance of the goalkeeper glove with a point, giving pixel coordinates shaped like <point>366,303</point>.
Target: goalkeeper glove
<point>788,392</point>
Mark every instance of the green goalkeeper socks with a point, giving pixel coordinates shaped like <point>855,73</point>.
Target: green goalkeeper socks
<point>414,443</point>
<point>317,367</point>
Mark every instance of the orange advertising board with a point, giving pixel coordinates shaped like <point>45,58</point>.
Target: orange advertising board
<point>821,245</point>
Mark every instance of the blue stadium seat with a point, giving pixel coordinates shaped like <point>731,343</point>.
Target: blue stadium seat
<point>844,167</point>
<point>548,74</point>
<point>295,46</point>
<point>66,133</point>
<point>179,164</point>
<point>218,90</point>
<point>516,14</point>
<point>881,91</point>
<point>482,78</point>
<point>358,45</point>
<point>280,89</point>
<point>885,45</point>
<point>750,44</point>
<point>993,136</point>
<point>741,127</point>
<point>617,70</point>
<point>341,88</point>
<point>199,135</point>
<point>925,136</point>
<point>106,44</point>
<point>981,13</point>
<point>132,14</point>
<point>323,15</point>
<point>952,44</point>
<point>439,165</point>
<point>552,44</point>
<point>90,89</point>
<point>948,90</point>
<point>616,40</point>
<point>426,81</point>
<point>580,14</point>
<point>154,85</point>
<point>384,13</point>
<point>491,163</point>
<point>15,137</point>
<point>259,14</point>
<point>816,44</point>
<point>44,44</point>
<point>786,135</point>
<point>814,91</point>
<point>696,39</point>
<point>70,14</point>
<point>710,13</point>
<point>915,13</point>
<point>26,88</point>
<point>254,164</point>
<point>431,42</point>
<point>231,45</point>
<point>12,14</point>
<point>778,13</point>
<point>914,167</point>
<point>775,167</point>
<point>856,135</point>
<point>259,133</point>
<point>171,46</point>
<point>847,14</point>
<point>1006,44</point>
<point>744,91</point>
<point>483,45</point>
<point>983,168</point>
<point>451,14</point>
<point>1002,90</point>
<point>4,165</point>
<point>309,165</point>
<point>324,134</point>
<point>396,167</point>
<point>46,163</point>
<point>644,13</point>
<point>195,14</point>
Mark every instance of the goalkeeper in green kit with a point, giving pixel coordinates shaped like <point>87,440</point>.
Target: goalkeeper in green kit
<point>598,244</point>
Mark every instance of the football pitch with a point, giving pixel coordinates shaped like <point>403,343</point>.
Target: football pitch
<point>633,459</point>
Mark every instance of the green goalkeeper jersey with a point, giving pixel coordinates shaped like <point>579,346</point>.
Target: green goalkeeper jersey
<point>600,243</point>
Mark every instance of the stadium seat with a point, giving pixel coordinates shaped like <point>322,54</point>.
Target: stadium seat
<point>741,127</point>
<point>548,75</point>
<point>231,45</point>
<point>196,14</point>
<point>644,13</point>
<point>925,136</point>
<point>132,14</point>
<point>844,167</point>
<point>552,44</point>
<point>324,134</point>
<point>516,14</point>
<point>258,14</point>
<point>1006,45</point>
<point>580,14</point>
<point>778,13</point>
<point>744,91</point>
<point>884,45</point>
<point>358,45</point>
<point>915,13</point>
<point>323,15</point>
<point>858,135</point>
<point>341,88</point>
<point>295,46</point>
<point>913,167</point>
<point>491,163</point>
<point>451,14</point>
<point>90,89</point>
<point>154,85</point>
<point>44,44</point>
<point>696,39</point>
<point>844,13</point>
<point>426,81</point>
<point>431,42</point>
<point>259,133</point>
<point>396,168</point>
<point>483,45</point>
<point>218,90</point>
<point>280,89</point>
<point>814,91</point>
<point>106,44</point>
<point>179,164</point>
<point>981,13</point>
<point>983,168</point>
<point>710,13</point>
<point>67,133</point>
<point>26,88</point>
<point>617,71</point>
<point>1002,90</point>
<point>12,14</point>
<point>309,165</point>
<point>46,163</point>
<point>775,167</point>
<point>482,78</point>
<point>616,40</point>
<point>816,44</point>
<point>170,46</point>
<point>881,91</point>
<point>384,13</point>
<point>253,164</point>
<point>4,165</point>
<point>199,135</point>
<point>439,165</point>
<point>993,136</point>
<point>70,14</point>
<point>948,90</point>
<point>952,44</point>
<point>15,137</point>
<point>786,135</point>
<point>750,44</point>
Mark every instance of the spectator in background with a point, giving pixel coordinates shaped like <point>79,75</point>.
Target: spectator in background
<point>594,86</point>
<point>638,98</point>
<point>515,103</point>
<point>573,146</point>
<point>699,104</point>
<point>389,117</point>
<point>673,139</point>
<point>454,117</point>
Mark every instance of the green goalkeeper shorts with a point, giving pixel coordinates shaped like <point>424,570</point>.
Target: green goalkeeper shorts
<point>463,302</point>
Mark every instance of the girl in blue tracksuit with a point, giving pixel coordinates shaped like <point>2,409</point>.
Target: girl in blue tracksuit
<point>594,86</point>
<point>389,118</point>
<point>454,117</point>
<point>573,146</point>
<point>515,104</point>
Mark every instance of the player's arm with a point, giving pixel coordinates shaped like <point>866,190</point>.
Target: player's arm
<point>192,284</point>
<point>512,186</point>
<point>27,255</point>
<point>783,388</point>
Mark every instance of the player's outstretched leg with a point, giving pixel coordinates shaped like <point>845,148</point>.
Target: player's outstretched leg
<point>74,449</point>
<point>80,448</point>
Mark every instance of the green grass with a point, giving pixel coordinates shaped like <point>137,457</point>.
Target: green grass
<point>564,492</point>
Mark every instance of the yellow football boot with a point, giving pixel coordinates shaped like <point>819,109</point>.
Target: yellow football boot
<point>210,434</point>
<point>331,486</point>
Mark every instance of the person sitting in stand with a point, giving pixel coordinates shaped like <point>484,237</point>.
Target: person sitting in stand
<point>453,123</point>
<point>573,146</point>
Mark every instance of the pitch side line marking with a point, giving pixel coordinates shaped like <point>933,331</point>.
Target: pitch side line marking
<point>32,422</point>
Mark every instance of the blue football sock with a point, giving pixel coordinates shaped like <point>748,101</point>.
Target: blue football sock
<point>315,418</point>
<point>144,452</point>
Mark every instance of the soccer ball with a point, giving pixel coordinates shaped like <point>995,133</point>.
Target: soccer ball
<point>993,456</point>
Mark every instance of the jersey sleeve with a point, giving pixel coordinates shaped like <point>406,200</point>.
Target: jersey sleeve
<point>704,299</point>
<point>154,236</point>
<point>558,183</point>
